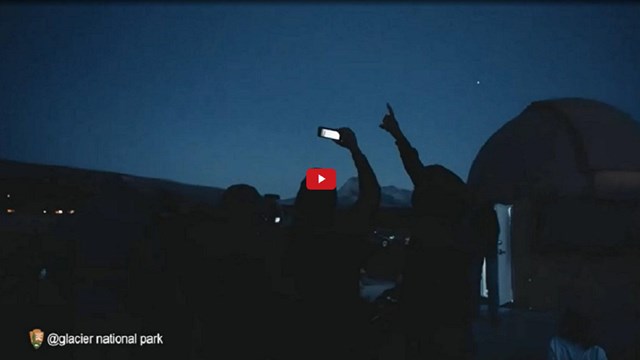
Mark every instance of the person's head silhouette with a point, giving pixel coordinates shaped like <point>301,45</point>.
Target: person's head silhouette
<point>439,193</point>
<point>241,203</point>
<point>576,327</point>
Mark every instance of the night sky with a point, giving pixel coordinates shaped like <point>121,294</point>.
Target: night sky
<point>221,94</point>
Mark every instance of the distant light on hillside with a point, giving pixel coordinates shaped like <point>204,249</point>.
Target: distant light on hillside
<point>59,212</point>
<point>71,212</point>
<point>44,211</point>
<point>277,220</point>
<point>8,196</point>
<point>11,211</point>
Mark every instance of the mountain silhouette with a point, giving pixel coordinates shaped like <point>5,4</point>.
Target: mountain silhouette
<point>29,177</point>
<point>16,172</point>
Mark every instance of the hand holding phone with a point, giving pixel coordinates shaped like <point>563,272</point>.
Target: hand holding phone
<point>343,137</point>
<point>328,133</point>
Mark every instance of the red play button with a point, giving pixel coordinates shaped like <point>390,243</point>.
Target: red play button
<point>321,179</point>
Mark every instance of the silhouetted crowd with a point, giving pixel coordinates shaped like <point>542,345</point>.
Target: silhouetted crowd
<point>259,291</point>
<point>231,283</point>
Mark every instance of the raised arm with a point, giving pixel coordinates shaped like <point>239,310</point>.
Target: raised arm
<point>410,158</point>
<point>369,188</point>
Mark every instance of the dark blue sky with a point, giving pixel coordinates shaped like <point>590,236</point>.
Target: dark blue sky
<point>221,94</point>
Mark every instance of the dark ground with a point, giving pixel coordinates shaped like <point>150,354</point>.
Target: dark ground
<point>520,334</point>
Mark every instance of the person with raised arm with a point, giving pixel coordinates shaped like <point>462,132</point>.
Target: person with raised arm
<point>434,294</point>
<point>326,254</point>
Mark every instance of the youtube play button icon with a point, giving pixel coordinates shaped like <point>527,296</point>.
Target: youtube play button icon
<point>321,179</point>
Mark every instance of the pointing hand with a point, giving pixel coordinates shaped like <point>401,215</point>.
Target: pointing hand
<point>389,122</point>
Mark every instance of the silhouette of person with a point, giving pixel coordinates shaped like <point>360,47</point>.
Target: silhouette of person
<point>158,274</point>
<point>575,340</point>
<point>229,286</point>
<point>326,253</point>
<point>434,299</point>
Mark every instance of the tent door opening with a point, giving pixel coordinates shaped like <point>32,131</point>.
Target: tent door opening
<point>499,272</point>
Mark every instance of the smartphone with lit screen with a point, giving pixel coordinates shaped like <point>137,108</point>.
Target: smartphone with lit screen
<point>328,133</point>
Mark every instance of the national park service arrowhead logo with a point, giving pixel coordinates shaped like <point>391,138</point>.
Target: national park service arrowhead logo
<point>36,336</point>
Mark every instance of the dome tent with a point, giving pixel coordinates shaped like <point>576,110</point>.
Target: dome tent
<point>570,147</point>
<point>570,169</point>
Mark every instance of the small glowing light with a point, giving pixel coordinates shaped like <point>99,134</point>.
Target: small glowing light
<point>10,211</point>
<point>392,237</point>
<point>8,196</point>
<point>277,220</point>
<point>72,212</point>
<point>478,82</point>
<point>58,212</point>
<point>44,211</point>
